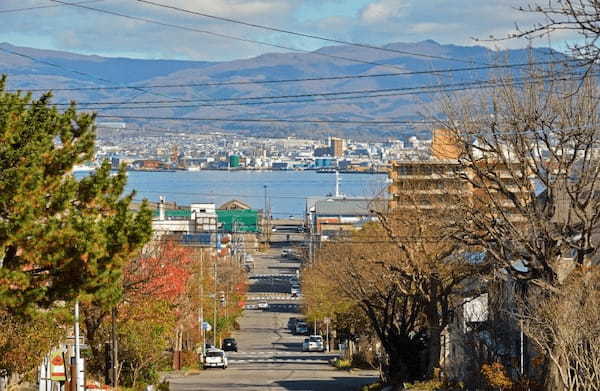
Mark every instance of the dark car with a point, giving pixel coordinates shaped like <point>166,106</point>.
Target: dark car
<point>230,345</point>
<point>292,323</point>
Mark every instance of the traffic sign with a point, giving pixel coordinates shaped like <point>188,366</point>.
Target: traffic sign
<point>57,367</point>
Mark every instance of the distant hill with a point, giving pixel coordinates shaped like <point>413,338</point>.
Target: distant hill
<point>55,69</point>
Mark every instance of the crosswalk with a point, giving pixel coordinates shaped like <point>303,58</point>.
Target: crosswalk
<point>268,276</point>
<point>276,307</point>
<point>277,357</point>
<point>274,296</point>
<point>277,360</point>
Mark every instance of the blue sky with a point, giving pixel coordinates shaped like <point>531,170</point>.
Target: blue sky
<point>375,22</point>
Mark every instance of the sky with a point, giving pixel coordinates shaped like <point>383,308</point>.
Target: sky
<point>375,22</point>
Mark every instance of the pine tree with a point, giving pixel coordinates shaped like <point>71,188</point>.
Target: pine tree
<point>60,237</point>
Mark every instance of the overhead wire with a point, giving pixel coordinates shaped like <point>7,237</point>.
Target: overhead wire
<point>11,10</point>
<point>141,90</point>
<point>359,94</point>
<point>269,120</point>
<point>304,35</point>
<point>296,80</point>
<point>226,36</point>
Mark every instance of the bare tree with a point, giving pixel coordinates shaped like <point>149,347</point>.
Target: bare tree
<point>566,328</point>
<point>530,154</point>
<point>360,269</point>
<point>433,263</point>
<point>580,18</point>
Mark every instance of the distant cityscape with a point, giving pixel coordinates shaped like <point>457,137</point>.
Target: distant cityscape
<point>223,151</point>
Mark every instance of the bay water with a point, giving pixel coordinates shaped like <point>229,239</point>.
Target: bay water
<point>286,190</point>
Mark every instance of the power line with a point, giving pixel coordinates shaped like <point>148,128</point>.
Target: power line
<point>75,71</point>
<point>297,80</point>
<point>270,120</point>
<point>305,35</point>
<point>450,87</point>
<point>3,11</point>
<point>220,35</point>
<point>87,75</point>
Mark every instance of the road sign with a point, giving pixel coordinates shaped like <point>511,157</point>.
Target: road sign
<point>57,367</point>
<point>206,326</point>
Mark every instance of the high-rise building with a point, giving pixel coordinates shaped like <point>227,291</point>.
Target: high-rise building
<point>336,146</point>
<point>442,182</point>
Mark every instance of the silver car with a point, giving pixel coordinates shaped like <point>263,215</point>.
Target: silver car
<point>315,344</point>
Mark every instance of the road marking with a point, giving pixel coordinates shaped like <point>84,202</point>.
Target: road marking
<point>272,353</point>
<point>271,298</point>
<point>277,360</point>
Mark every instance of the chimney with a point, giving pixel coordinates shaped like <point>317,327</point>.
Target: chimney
<point>161,208</point>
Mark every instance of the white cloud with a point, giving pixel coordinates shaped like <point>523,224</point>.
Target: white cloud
<point>368,21</point>
<point>383,10</point>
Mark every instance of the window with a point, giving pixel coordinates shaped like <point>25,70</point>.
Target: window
<point>426,170</point>
<point>405,170</point>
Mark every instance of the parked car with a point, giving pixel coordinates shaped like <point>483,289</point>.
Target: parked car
<point>292,323</point>
<point>285,252</point>
<point>301,328</point>
<point>215,358</point>
<point>229,345</point>
<point>315,344</point>
<point>295,290</point>
<point>305,344</point>
<point>263,305</point>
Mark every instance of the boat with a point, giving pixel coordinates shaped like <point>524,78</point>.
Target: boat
<point>326,171</point>
<point>83,168</point>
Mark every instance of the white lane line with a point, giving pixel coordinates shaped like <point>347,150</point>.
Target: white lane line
<point>276,360</point>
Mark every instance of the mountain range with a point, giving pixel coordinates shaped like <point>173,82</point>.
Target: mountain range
<point>229,90</point>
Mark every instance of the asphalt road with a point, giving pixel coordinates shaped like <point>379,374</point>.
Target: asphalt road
<point>269,357</point>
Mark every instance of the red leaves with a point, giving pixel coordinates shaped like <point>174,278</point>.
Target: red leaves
<point>163,273</point>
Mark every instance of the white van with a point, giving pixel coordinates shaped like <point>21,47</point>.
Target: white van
<point>215,358</point>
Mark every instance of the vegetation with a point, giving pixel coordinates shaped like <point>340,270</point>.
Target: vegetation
<point>529,210</point>
<point>403,282</point>
<point>163,289</point>
<point>61,238</point>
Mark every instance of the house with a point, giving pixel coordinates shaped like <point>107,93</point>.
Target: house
<point>332,216</point>
<point>234,205</point>
<point>198,218</point>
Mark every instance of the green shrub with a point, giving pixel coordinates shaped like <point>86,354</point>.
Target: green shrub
<point>342,364</point>
<point>372,387</point>
<point>433,385</point>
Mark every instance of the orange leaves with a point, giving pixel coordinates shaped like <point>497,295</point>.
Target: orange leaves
<point>496,376</point>
<point>163,273</point>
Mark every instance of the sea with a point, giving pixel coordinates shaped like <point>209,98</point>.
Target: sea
<point>286,191</point>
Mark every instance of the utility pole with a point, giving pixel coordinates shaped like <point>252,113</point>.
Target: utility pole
<point>114,350</point>
<point>215,307</point>
<point>78,380</point>
<point>202,331</point>
<point>266,211</point>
